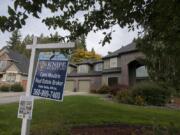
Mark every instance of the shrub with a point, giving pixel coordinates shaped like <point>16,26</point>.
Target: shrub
<point>152,93</point>
<point>115,89</point>
<point>17,87</point>
<point>124,97</point>
<point>93,91</point>
<point>103,90</point>
<point>5,88</point>
<point>139,100</point>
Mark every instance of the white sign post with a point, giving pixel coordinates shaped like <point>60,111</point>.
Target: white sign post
<point>26,122</point>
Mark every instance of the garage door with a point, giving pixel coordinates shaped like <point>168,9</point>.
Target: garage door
<point>84,86</point>
<point>69,86</point>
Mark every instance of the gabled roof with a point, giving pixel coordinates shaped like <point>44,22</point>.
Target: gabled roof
<point>21,61</point>
<point>125,49</point>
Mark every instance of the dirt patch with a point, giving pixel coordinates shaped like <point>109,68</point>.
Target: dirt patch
<point>108,130</point>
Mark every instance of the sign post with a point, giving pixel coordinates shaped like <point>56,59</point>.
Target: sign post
<point>26,121</point>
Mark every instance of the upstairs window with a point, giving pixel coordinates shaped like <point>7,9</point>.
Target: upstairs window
<point>83,69</point>
<point>98,67</point>
<point>113,62</point>
<point>106,64</point>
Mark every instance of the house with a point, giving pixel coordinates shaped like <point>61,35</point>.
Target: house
<point>13,67</point>
<point>125,66</point>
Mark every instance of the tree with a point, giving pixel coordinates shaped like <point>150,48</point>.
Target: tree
<point>152,15</point>
<point>80,55</point>
<point>14,42</point>
<point>80,43</point>
<point>159,20</point>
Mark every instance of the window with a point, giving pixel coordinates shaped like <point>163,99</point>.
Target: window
<point>2,64</point>
<point>141,72</point>
<point>106,64</point>
<point>11,77</point>
<point>113,62</point>
<point>83,69</point>
<point>98,67</point>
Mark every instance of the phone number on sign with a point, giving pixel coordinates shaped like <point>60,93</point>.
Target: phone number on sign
<point>46,94</point>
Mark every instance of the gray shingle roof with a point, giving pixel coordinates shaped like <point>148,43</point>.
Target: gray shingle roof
<point>21,61</point>
<point>125,49</point>
<point>92,73</point>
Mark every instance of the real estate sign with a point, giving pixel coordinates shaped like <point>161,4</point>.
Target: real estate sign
<point>50,79</point>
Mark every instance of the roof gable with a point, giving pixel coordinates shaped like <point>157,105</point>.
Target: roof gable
<point>12,68</point>
<point>21,61</point>
<point>125,49</point>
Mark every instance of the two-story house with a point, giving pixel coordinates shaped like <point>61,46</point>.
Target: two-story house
<point>125,66</point>
<point>13,67</point>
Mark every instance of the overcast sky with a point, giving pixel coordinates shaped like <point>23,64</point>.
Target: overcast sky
<point>120,37</point>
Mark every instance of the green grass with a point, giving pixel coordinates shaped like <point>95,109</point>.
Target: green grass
<point>53,116</point>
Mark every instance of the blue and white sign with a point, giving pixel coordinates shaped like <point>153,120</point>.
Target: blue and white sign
<point>50,79</point>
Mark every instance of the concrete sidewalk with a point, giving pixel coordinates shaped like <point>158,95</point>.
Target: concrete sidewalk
<point>11,97</point>
<point>11,94</point>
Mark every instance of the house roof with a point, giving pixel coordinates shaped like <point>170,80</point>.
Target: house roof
<point>21,61</point>
<point>92,73</point>
<point>125,49</point>
<point>89,62</point>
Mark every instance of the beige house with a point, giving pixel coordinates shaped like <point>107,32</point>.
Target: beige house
<point>124,66</point>
<point>13,67</point>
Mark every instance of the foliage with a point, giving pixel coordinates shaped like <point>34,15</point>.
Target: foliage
<point>14,42</point>
<point>5,88</point>
<point>124,96</point>
<point>151,15</point>
<point>93,91</point>
<point>162,60</point>
<point>80,55</point>
<point>151,93</point>
<point>139,100</point>
<point>17,87</point>
<point>103,90</point>
<point>159,22</point>
<point>116,88</point>
<point>80,43</point>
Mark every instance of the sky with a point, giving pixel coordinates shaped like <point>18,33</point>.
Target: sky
<point>120,37</point>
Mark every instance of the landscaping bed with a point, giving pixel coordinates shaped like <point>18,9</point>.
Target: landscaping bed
<point>108,130</point>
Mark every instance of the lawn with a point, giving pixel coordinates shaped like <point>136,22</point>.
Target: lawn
<point>82,110</point>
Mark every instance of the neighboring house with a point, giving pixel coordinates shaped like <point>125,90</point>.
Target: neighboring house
<point>13,67</point>
<point>124,66</point>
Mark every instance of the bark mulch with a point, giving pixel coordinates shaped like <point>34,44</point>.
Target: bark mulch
<point>108,130</point>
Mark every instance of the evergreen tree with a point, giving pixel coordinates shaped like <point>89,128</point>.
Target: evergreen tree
<point>80,43</point>
<point>14,42</point>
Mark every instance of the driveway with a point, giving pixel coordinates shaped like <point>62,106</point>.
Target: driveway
<point>11,97</point>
